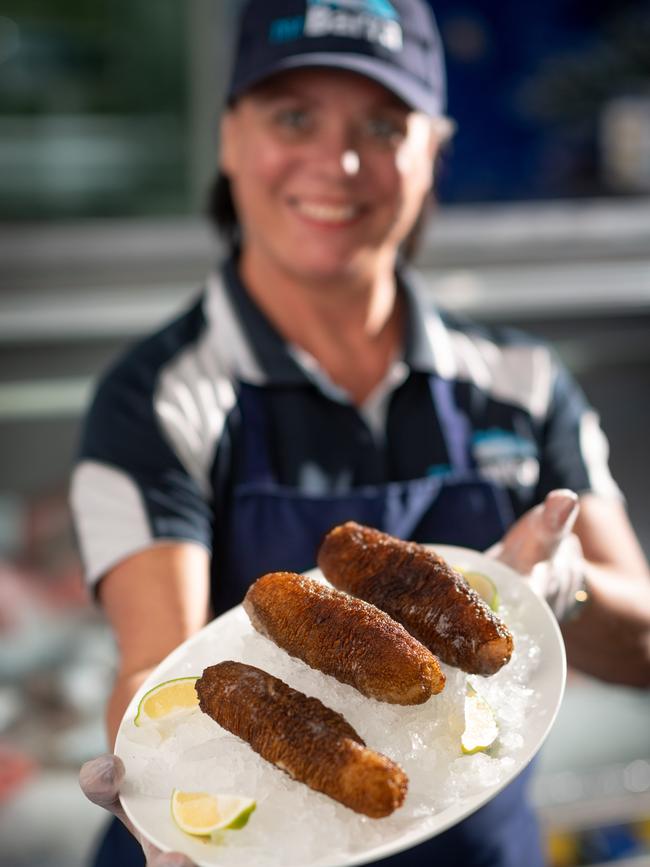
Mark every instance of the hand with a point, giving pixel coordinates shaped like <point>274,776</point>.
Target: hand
<point>100,781</point>
<point>610,639</point>
<point>540,546</point>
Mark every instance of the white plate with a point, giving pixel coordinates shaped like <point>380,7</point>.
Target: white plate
<point>340,837</point>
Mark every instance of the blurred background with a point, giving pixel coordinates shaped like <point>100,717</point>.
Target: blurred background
<point>108,142</point>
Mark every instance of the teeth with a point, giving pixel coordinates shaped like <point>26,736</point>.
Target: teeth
<point>327,213</point>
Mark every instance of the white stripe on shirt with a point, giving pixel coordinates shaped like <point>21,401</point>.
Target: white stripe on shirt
<point>110,517</point>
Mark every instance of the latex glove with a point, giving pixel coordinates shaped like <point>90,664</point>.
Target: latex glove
<point>100,781</point>
<point>541,546</point>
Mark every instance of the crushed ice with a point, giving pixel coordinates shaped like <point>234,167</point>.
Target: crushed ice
<point>294,825</point>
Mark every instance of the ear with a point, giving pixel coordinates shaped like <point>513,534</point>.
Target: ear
<point>435,141</point>
<point>431,149</point>
<point>228,143</point>
<point>443,130</point>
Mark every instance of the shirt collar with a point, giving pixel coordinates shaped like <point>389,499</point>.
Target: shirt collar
<point>250,347</point>
<point>428,346</point>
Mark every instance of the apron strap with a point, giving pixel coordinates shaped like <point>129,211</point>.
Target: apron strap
<point>255,432</point>
<point>454,424</point>
<point>406,503</point>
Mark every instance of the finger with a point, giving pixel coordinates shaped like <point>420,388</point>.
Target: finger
<point>100,780</point>
<point>536,536</point>
<point>559,514</point>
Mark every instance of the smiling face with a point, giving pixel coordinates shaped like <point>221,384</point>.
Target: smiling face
<point>328,172</point>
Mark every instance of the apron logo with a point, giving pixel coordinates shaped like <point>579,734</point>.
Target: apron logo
<point>376,21</point>
<point>439,470</point>
<point>505,458</point>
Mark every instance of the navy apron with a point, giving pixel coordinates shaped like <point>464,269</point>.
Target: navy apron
<point>273,527</point>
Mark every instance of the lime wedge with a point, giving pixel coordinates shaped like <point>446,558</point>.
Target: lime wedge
<point>484,586</point>
<point>167,699</point>
<point>481,729</point>
<point>202,814</point>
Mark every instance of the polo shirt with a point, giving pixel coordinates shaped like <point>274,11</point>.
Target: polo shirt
<point>162,445</point>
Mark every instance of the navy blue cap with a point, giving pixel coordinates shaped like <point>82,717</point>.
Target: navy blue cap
<point>393,42</point>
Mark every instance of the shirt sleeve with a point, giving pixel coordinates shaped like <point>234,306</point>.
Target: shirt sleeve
<point>575,451</point>
<point>130,490</point>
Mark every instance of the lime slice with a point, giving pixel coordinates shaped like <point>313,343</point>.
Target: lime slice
<point>167,699</point>
<point>202,814</point>
<point>481,729</point>
<point>484,586</point>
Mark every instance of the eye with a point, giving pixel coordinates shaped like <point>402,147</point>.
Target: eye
<point>296,119</point>
<point>386,130</point>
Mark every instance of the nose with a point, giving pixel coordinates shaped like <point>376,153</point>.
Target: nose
<point>337,151</point>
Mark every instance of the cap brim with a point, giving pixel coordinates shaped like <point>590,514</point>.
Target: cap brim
<point>410,91</point>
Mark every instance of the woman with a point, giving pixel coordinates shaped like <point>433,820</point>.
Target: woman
<point>310,385</point>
